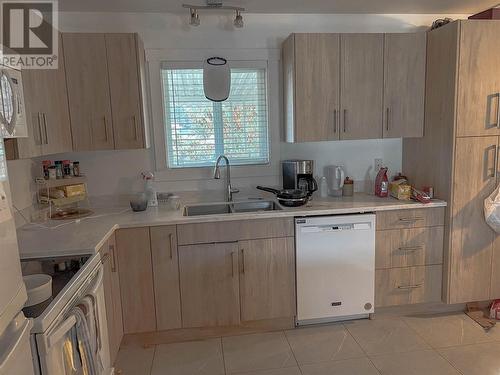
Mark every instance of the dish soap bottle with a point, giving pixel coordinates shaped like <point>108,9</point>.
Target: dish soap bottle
<point>149,189</point>
<point>382,183</point>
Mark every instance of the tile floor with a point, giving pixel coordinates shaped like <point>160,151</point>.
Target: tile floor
<point>450,344</point>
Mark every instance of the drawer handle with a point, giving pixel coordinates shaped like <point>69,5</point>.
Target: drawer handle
<point>410,219</point>
<point>410,248</point>
<point>171,241</point>
<point>406,287</point>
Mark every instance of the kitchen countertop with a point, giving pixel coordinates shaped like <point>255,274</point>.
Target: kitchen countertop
<point>86,236</point>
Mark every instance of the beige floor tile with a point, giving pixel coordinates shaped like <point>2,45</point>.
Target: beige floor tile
<point>278,371</point>
<point>358,366</point>
<point>384,336</point>
<point>257,352</point>
<point>189,358</point>
<point>134,360</point>
<point>426,362</point>
<point>450,330</point>
<point>323,343</point>
<point>478,359</point>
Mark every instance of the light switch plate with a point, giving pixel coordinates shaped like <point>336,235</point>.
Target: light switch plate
<point>378,164</point>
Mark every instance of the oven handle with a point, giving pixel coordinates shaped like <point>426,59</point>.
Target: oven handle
<point>59,333</point>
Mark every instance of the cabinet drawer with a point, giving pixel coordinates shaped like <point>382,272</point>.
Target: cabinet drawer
<point>410,218</point>
<point>229,231</point>
<point>402,286</point>
<point>409,247</point>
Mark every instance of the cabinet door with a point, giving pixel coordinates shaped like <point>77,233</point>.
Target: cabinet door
<point>55,115</point>
<point>267,278</point>
<point>117,322</point>
<point>404,85</point>
<point>209,284</point>
<point>317,69</point>
<point>479,82</point>
<point>361,89</point>
<point>124,87</point>
<point>166,277</point>
<point>471,238</point>
<point>136,280</point>
<point>88,91</point>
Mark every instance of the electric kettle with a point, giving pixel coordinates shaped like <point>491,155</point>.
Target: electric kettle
<point>335,176</point>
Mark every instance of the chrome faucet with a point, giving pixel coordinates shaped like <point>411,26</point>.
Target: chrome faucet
<point>229,189</point>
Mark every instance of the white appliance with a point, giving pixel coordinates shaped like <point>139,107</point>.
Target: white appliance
<point>13,122</point>
<point>15,353</point>
<point>335,267</point>
<point>55,329</point>
<point>335,176</point>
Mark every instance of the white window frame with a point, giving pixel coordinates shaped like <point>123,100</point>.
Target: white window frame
<point>269,58</point>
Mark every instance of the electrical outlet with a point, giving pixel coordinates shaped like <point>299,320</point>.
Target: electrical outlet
<point>378,164</point>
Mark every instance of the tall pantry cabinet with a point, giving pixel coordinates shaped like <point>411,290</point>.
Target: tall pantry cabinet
<point>458,154</point>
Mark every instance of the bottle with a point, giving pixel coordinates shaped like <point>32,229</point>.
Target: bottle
<point>348,188</point>
<point>323,187</point>
<point>76,168</point>
<point>149,189</point>
<point>382,183</point>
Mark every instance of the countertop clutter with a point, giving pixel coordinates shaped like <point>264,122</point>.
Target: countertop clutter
<point>87,235</point>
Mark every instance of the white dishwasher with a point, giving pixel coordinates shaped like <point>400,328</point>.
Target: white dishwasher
<point>335,267</point>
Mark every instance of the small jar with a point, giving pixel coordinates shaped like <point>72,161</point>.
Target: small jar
<point>59,169</point>
<point>76,168</point>
<point>52,172</point>
<point>348,188</point>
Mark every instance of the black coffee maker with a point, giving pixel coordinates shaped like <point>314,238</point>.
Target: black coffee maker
<point>298,174</point>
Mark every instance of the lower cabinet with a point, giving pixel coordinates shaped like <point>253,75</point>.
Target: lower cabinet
<point>136,280</point>
<point>209,283</point>
<point>267,278</point>
<point>111,281</point>
<point>166,277</point>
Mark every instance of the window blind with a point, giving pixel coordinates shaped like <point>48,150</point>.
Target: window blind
<point>199,130</point>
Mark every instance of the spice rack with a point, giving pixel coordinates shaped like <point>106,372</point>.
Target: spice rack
<point>45,185</point>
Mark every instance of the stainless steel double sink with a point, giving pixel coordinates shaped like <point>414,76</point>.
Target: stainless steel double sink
<point>231,208</point>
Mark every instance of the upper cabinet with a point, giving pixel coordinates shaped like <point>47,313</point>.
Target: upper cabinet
<point>362,79</point>
<point>404,85</point>
<point>311,60</point>
<point>88,91</point>
<point>478,106</point>
<point>106,82</point>
<point>47,110</point>
<point>353,86</point>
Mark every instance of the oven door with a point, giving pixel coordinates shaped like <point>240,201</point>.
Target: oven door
<point>57,347</point>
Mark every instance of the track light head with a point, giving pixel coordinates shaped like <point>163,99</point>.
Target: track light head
<point>195,18</point>
<point>238,20</point>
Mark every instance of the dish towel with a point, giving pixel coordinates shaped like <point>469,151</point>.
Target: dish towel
<point>84,338</point>
<point>89,307</point>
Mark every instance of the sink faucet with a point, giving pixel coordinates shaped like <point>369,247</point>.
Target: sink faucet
<point>229,189</point>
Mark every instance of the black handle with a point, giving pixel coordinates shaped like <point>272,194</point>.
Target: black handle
<point>268,189</point>
<point>314,185</point>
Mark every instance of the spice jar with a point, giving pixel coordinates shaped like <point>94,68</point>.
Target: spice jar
<point>348,188</point>
<point>59,168</point>
<point>52,172</point>
<point>76,168</point>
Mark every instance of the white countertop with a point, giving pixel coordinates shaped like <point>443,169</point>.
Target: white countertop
<point>86,236</point>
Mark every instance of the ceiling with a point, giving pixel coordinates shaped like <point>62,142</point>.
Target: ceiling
<point>289,6</point>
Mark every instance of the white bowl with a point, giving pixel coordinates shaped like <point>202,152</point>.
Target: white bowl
<point>38,288</point>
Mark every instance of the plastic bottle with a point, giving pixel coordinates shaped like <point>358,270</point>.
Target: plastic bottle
<point>149,189</point>
<point>382,183</point>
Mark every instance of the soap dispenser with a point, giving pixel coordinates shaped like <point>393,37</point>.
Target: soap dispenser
<point>149,189</point>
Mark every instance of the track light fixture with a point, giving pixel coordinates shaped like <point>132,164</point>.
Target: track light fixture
<point>214,5</point>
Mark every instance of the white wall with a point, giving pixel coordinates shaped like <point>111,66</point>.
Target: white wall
<point>117,171</point>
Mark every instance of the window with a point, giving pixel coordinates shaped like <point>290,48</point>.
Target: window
<point>199,130</point>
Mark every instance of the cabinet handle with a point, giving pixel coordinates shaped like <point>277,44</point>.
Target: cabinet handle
<point>134,119</point>
<point>334,121</point>
<point>105,128</point>
<point>113,258</point>
<point>105,258</point>
<point>44,116</point>
<point>387,111</point>
<point>498,110</point>
<point>243,261</point>
<point>493,174</point>
<point>232,263</point>
<point>410,219</point>
<point>170,239</point>
<point>345,120</point>
<point>415,286</point>
<point>410,248</point>
<point>40,137</point>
